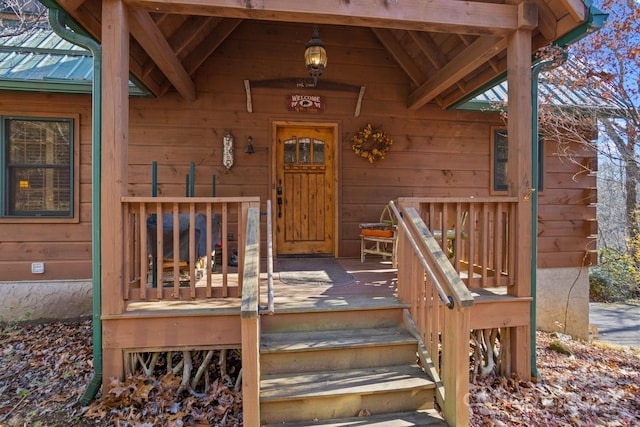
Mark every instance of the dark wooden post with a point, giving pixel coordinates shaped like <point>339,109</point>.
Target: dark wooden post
<point>115,128</point>
<point>519,179</point>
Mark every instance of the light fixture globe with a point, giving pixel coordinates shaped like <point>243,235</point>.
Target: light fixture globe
<point>315,55</point>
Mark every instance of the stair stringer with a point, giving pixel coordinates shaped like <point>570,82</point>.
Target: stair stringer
<point>425,359</point>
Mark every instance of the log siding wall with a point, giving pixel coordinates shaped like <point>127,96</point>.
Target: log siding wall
<point>64,245</point>
<point>435,153</point>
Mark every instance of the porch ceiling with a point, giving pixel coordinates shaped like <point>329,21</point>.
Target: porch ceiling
<point>448,49</point>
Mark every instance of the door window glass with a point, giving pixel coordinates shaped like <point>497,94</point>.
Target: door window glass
<point>318,151</point>
<point>290,151</point>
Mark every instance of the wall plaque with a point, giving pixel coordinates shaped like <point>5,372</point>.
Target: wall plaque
<point>306,103</point>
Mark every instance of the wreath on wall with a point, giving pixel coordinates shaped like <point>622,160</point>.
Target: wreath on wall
<point>371,143</point>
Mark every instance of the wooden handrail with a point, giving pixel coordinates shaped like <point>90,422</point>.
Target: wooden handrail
<point>250,321</point>
<point>251,276</point>
<point>426,280</point>
<point>437,264</point>
<point>458,293</point>
<point>196,200</point>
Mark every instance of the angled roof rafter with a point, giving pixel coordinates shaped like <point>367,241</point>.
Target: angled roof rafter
<point>145,31</point>
<point>468,60</point>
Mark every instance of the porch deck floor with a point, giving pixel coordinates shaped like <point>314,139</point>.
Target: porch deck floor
<point>374,283</point>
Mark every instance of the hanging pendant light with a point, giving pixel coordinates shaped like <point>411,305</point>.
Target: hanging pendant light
<point>315,55</point>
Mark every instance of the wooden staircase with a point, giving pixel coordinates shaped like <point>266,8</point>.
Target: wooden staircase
<point>343,366</point>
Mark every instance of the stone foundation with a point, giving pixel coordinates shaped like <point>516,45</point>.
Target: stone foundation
<point>556,286</point>
<point>44,300</point>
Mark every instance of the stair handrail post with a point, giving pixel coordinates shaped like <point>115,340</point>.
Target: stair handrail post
<point>250,319</point>
<point>455,365</point>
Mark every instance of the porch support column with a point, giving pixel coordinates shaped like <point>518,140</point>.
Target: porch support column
<point>520,184</point>
<point>115,125</point>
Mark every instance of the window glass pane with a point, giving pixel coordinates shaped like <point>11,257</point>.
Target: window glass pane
<point>42,191</point>
<point>38,168</point>
<point>39,142</point>
<point>500,155</point>
<point>304,145</point>
<point>290,151</point>
<point>318,151</point>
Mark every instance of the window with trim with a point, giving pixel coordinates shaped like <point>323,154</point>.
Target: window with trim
<point>37,166</point>
<point>499,157</point>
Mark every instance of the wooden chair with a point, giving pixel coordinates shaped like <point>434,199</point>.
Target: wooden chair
<point>380,238</point>
<point>451,236</point>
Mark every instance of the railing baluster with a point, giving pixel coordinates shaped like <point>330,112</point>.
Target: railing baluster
<point>473,229</point>
<point>210,244</point>
<point>484,243</point>
<point>498,242</point>
<point>225,249</point>
<point>159,250</point>
<point>511,266</point>
<point>192,250</point>
<point>137,247</point>
<point>144,256</point>
<point>175,220</point>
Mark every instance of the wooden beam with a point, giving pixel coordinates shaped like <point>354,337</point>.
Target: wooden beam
<point>527,15</point>
<point>433,53</point>
<point>576,9</point>
<point>546,20</point>
<point>468,60</point>
<point>115,130</point>
<point>519,128</point>
<point>429,48</point>
<point>486,75</point>
<point>446,16</point>
<point>145,31</point>
<point>466,40</point>
<point>89,22</point>
<point>297,83</point>
<point>210,43</point>
<point>400,55</point>
<point>93,26</point>
<point>193,29</point>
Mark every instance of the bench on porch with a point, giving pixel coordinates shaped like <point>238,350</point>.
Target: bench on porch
<point>182,230</point>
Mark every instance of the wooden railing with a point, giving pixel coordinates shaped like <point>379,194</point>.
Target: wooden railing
<point>250,322</point>
<point>476,234</point>
<point>199,230</point>
<point>439,312</point>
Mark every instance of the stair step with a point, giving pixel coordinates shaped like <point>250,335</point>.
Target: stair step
<point>332,350</point>
<point>350,315</point>
<point>307,385</point>
<point>326,340</point>
<point>344,393</point>
<point>398,419</point>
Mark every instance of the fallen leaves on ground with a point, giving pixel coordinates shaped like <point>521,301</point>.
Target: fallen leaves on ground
<point>45,369</point>
<point>597,385</point>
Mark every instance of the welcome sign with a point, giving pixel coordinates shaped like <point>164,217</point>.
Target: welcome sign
<point>306,103</point>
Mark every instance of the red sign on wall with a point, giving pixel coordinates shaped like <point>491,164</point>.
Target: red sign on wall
<point>306,103</point>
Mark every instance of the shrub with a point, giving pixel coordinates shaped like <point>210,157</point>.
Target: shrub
<point>615,278</point>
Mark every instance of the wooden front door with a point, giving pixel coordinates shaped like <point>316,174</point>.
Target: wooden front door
<point>304,189</point>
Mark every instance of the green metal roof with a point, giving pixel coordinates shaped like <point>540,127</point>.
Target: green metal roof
<point>41,61</point>
<point>552,92</point>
